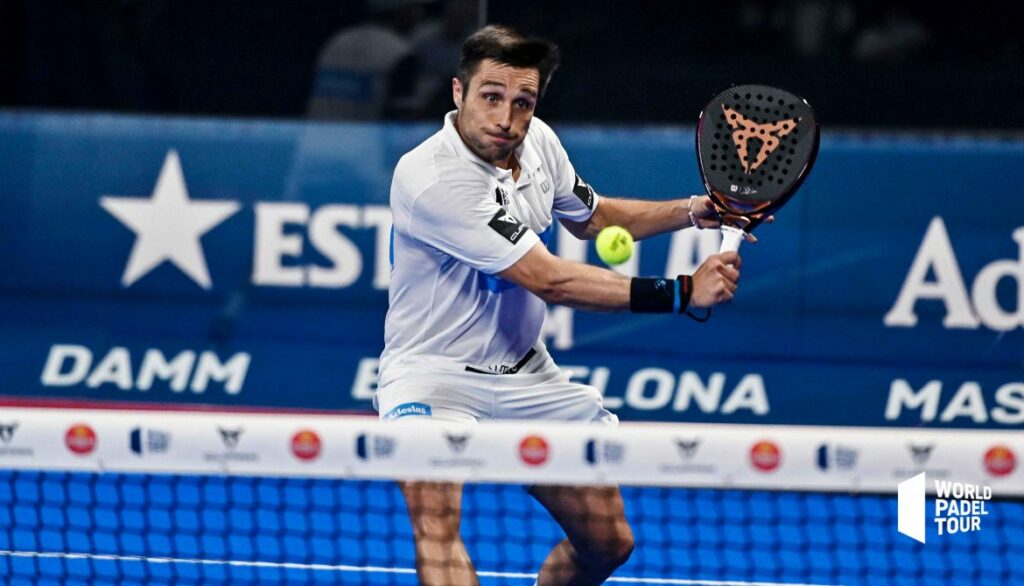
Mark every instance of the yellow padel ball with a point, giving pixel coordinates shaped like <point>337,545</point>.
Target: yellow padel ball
<point>614,245</point>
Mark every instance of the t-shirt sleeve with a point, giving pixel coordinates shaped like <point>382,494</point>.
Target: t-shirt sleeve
<point>574,199</point>
<point>460,218</point>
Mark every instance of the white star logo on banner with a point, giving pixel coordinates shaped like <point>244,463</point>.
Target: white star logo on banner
<point>168,225</point>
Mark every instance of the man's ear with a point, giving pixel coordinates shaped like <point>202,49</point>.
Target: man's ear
<point>457,92</point>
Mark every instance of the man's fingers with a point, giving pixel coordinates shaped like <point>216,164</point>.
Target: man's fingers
<point>730,273</point>
<point>731,258</point>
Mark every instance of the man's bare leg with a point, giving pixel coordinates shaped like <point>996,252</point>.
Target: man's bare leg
<point>435,509</point>
<point>598,537</point>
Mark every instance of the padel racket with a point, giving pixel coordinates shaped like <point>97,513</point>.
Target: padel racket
<point>755,146</point>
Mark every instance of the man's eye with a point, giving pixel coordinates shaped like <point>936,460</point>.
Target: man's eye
<point>491,97</point>
<point>524,104</point>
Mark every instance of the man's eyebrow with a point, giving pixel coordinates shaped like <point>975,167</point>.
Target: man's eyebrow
<point>528,90</point>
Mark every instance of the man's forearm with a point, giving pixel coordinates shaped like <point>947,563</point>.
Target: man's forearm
<point>584,286</point>
<point>643,218</point>
<point>563,282</point>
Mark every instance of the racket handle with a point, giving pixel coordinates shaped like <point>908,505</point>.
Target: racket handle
<point>732,237</point>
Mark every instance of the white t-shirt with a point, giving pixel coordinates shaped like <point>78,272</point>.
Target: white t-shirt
<point>458,221</point>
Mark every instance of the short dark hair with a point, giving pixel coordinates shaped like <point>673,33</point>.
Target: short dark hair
<point>509,47</point>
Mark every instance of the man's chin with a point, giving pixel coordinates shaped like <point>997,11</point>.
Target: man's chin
<point>494,154</point>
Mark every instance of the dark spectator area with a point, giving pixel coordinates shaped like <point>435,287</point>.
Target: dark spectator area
<point>894,65</point>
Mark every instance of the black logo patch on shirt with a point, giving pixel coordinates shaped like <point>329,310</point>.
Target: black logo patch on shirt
<point>584,192</point>
<point>507,225</point>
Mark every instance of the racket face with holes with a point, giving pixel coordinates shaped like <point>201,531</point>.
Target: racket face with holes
<point>755,146</point>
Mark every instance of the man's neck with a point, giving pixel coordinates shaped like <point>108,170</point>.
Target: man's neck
<point>513,163</point>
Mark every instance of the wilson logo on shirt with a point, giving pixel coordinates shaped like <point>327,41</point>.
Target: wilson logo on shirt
<point>507,225</point>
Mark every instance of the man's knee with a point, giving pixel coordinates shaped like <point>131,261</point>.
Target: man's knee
<point>436,529</point>
<point>434,510</point>
<point>605,555</point>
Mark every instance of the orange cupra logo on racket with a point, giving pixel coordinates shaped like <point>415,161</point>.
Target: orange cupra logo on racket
<point>744,129</point>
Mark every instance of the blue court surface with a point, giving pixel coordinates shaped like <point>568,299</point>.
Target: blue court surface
<point>107,529</point>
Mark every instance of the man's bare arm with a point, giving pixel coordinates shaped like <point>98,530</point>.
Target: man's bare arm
<point>643,218</point>
<point>562,282</point>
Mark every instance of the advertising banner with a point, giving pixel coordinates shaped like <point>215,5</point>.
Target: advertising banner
<point>245,264</point>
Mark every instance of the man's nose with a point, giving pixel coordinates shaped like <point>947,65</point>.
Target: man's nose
<point>504,118</point>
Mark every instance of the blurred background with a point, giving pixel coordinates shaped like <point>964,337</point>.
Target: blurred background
<point>187,177</point>
<point>903,64</point>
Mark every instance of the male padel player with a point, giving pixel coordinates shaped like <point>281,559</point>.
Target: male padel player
<point>472,206</point>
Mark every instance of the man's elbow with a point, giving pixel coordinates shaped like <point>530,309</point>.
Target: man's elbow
<point>553,291</point>
<point>551,285</point>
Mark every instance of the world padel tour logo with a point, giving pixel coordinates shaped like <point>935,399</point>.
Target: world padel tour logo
<point>1000,461</point>
<point>80,439</point>
<point>306,445</point>
<point>534,450</point>
<point>765,456</point>
<point>959,507</point>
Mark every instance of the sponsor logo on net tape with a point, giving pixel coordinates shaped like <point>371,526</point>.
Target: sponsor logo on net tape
<point>919,458</point>
<point>10,448</point>
<point>837,458</point>
<point>80,439</point>
<point>602,451</point>
<point>1000,461</point>
<point>231,439</point>
<point>370,446</point>
<point>765,456</point>
<point>143,441</point>
<point>306,445</point>
<point>687,450</point>
<point>534,450</point>
<point>458,443</point>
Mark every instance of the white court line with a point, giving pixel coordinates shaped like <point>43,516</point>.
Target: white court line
<point>363,569</point>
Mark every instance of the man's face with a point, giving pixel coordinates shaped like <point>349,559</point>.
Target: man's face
<point>496,112</point>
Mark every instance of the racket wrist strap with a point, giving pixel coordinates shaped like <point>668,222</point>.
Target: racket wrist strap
<point>648,295</point>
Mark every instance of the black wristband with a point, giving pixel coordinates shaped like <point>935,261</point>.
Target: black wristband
<point>684,289</point>
<point>651,295</point>
<point>660,295</point>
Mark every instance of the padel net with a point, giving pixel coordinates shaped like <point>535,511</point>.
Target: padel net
<point>143,497</point>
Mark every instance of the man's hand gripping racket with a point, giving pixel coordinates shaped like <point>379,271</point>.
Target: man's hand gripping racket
<point>755,146</point>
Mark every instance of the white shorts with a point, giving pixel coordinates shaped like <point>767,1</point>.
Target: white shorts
<point>545,393</point>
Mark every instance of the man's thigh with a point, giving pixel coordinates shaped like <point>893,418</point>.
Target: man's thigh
<point>435,509</point>
<point>593,517</point>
